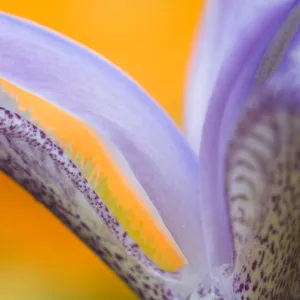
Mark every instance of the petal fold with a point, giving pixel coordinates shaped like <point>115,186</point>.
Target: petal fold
<point>90,88</point>
<point>222,25</point>
<point>236,78</point>
<point>38,164</point>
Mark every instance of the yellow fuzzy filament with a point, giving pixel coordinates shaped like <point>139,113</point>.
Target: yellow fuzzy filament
<point>137,218</point>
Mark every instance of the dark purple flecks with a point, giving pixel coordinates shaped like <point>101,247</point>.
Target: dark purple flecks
<point>267,261</point>
<point>37,163</point>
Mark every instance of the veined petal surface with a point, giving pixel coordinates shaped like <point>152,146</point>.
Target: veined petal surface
<point>263,177</point>
<point>235,79</point>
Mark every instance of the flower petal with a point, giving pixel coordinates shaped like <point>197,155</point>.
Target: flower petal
<point>208,55</point>
<point>224,24</point>
<point>89,87</point>
<point>263,178</point>
<point>112,180</point>
<point>33,159</point>
<point>235,81</point>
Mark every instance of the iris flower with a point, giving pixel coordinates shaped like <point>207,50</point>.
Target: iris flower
<point>216,216</point>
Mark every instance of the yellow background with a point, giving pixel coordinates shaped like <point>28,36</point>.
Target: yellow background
<point>150,40</point>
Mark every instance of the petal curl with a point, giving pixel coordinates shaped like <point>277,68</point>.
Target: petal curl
<point>38,164</point>
<point>214,36</point>
<point>86,85</point>
<point>222,25</point>
<point>235,81</point>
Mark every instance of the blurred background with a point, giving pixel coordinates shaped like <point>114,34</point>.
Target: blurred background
<point>150,40</point>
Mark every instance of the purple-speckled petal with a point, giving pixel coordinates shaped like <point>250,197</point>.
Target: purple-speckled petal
<point>236,80</point>
<point>38,164</point>
<point>83,83</point>
<point>263,185</point>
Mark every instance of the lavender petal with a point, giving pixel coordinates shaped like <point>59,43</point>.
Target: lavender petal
<point>86,85</point>
<point>235,82</point>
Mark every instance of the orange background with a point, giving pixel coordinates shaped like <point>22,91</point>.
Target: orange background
<point>150,40</point>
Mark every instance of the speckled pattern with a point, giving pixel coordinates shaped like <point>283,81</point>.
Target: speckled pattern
<point>264,195</point>
<point>33,160</point>
<point>263,188</point>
